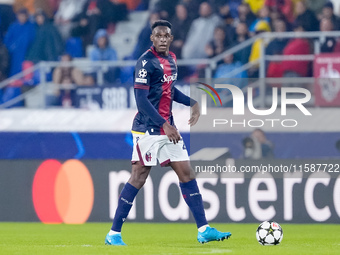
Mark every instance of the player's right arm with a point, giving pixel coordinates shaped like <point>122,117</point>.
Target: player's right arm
<point>142,86</point>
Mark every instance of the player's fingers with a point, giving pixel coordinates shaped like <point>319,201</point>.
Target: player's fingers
<point>170,139</point>
<point>193,121</point>
<point>176,137</point>
<point>174,140</point>
<point>179,137</point>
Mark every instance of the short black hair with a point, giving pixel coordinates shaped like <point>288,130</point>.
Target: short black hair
<point>161,23</point>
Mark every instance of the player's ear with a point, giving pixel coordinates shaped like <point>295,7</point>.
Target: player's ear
<point>151,37</point>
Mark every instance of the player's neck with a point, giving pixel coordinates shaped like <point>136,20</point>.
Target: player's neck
<point>164,54</point>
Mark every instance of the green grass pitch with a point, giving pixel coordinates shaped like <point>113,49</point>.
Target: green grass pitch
<point>162,239</point>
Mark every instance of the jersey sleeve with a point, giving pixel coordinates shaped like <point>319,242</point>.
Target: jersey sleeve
<point>145,106</point>
<point>181,98</point>
<point>142,74</point>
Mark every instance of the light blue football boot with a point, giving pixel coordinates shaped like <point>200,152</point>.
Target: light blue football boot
<point>212,234</point>
<point>114,240</point>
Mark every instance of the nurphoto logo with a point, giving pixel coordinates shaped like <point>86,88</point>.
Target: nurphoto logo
<point>239,102</point>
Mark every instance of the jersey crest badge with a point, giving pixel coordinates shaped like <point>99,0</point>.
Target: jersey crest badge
<point>148,156</point>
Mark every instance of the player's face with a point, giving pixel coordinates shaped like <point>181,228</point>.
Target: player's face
<point>161,38</point>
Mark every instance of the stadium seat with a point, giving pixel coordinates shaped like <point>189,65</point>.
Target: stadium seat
<point>126,33</point>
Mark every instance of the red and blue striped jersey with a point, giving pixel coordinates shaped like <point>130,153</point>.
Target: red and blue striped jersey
<point>157,74</point>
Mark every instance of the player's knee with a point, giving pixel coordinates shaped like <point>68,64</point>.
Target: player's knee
<point>138,177</point>
<point>137,181</point>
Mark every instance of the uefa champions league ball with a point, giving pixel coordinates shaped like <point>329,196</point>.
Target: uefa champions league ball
<point>269,233</point>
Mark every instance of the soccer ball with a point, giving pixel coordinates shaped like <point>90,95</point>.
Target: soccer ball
<point>269,233</point>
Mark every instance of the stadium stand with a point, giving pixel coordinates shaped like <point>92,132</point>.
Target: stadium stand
<point>123,37</point>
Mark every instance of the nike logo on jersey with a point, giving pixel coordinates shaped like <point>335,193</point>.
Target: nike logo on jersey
<point>144,62</point>
<point>161,66</point>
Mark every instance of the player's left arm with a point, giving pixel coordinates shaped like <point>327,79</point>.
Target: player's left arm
<point>181,98</point>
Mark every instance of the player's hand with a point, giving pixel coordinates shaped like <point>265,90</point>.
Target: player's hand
<point>195,114</point>
<point>171,132</point>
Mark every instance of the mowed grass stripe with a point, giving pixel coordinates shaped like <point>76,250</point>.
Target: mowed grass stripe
<point>157,238</point>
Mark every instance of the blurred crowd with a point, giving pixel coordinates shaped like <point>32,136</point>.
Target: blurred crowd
<point>59,30</point>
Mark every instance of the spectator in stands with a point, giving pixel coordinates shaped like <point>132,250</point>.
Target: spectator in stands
<point>218,44</point>
<point>82,32</point>
<point>233,5</point>
<point>180,27</point>
<point>241,36</point>
<point>255,6</point>
<point>228,23</point>
<point>277,15</point>
<point>102,51</point>
<point>95,20</point>
<point>245,14</point>
<point>275,47</point>
<point>111,12</point>
<point>64,75</point>
<point>18,40</point>
<point>54,5</point>
<point>306,17</point>
<point>144,42</point>
<point>224,10</point>
<point>95,15</point>
<point>284,7</point>
<point>296,46</point>
<point>166,8</point>
<point>255,54</point>
<point>327,43</point>
<point>257,146</point>
<point>67,14</point>
<point>201,32</point>
<point>316,5</point>
<point>263,15</point>
<point>34,5</point>
<point>7,17</point>
<point>48,44</point>
<point>227,67</point>
<point>27,4</point>
<point>193,7</point>
<point>4,62</point>
<point>328,12</point>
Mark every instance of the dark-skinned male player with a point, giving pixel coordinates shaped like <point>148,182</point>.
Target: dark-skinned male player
<point>155,136</point>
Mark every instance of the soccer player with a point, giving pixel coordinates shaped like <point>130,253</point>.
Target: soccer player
<point>155,136</point>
